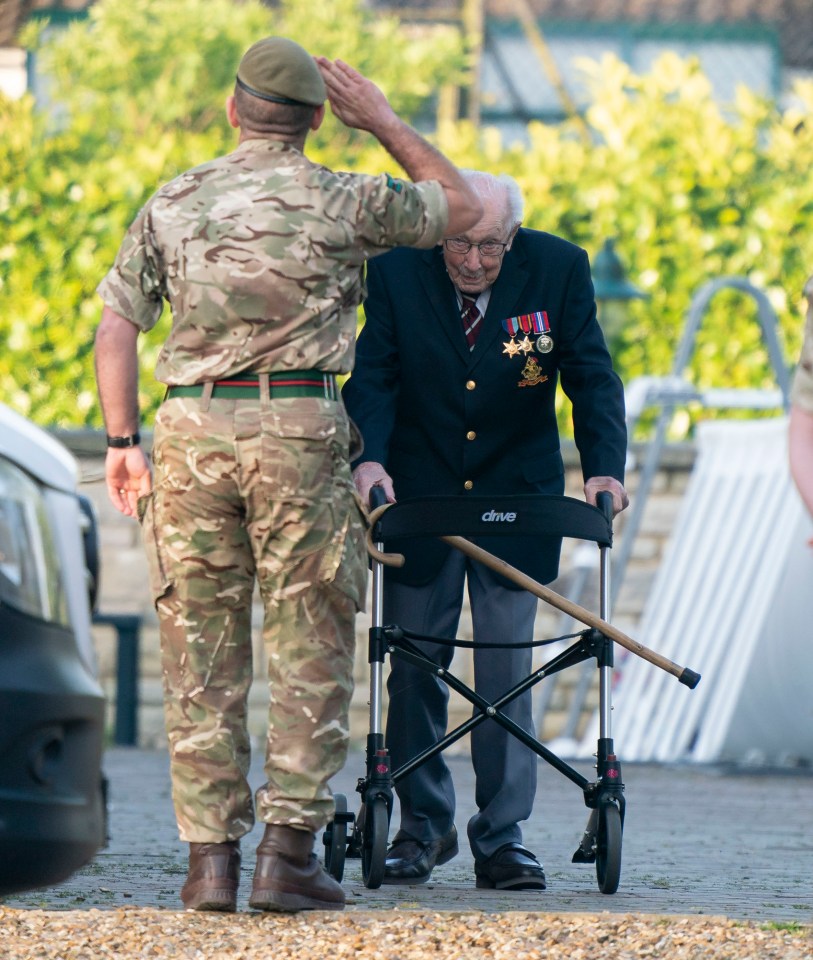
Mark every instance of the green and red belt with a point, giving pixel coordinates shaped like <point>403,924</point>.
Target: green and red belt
<point>246,386</point>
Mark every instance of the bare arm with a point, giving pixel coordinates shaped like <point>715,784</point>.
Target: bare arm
<point>800,450</point>
<point>359,103</point>
<point>127,471</point>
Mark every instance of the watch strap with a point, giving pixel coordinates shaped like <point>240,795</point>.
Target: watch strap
<point>132,441</point>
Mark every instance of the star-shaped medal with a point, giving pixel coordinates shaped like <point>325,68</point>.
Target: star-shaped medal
<point>512,348</point>
<point>526,346</point>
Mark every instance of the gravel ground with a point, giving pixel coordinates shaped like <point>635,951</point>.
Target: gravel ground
<point>391,935</point>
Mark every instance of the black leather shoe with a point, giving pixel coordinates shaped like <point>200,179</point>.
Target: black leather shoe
<point>411,861</point>
<point>512,867</point>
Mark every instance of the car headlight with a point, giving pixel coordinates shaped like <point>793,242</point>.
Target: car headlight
<point>30,577</point>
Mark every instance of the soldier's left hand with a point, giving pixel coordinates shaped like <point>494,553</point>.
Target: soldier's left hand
<point>128,477</point>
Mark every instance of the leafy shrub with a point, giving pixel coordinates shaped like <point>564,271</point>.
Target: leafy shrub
<point>690,190</point>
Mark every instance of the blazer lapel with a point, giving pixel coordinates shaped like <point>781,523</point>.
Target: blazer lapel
<point>441,297</point>
<point>506,292</point>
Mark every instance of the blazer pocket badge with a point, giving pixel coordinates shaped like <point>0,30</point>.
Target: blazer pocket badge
<point>531,374</point>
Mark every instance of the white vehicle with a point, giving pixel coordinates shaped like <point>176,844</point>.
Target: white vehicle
<point>52,791</point>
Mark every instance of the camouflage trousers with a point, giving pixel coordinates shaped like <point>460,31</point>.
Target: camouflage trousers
<point>248,492</point>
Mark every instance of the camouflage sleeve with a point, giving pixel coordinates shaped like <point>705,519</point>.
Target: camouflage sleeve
<point>133,287</point>
<point>802,390</point>
<point>395,213</point>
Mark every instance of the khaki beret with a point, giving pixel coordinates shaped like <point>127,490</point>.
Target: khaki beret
<point>279,70</point>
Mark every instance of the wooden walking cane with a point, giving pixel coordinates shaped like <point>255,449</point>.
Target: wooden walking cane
<point>683,674</point>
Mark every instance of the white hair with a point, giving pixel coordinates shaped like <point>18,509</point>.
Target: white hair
<point>488,186</point>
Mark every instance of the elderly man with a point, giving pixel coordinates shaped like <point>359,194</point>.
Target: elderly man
<point>453,390</point>
<point>259,255</point>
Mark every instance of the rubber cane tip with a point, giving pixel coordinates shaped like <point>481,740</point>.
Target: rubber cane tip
<point>689,678</point>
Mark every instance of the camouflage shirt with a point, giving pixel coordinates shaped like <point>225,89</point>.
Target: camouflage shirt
<point>260,256</point>
<point>802,391</point>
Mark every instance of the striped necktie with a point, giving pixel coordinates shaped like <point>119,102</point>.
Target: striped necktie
<point>471,318</point>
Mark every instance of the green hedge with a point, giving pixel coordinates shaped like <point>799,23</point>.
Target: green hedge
<point>690,190</point>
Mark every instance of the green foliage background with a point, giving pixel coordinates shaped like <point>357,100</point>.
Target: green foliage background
<point>690,190</point>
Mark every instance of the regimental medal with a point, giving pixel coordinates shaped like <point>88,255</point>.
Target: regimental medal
<point>531,374</point>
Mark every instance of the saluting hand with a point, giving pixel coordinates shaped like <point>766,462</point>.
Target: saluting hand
<point>354,99</point>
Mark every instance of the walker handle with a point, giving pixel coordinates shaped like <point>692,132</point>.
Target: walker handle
<point>604,501</point>
<point>377,496</point>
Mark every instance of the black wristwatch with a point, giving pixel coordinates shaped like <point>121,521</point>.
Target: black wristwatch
<point>132,441</point>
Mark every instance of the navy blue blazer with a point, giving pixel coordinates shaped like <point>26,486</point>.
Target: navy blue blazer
<point>446,420</point>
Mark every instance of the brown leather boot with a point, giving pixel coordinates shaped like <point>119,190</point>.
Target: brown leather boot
<point>288,876</point>
<point>214,873</point>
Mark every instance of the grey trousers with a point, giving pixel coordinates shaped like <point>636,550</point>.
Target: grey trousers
<point>505,769</point>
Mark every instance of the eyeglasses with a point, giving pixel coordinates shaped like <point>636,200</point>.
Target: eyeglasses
<point>489,248</point>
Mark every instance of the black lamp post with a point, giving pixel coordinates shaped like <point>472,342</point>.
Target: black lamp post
<point>613,290</point>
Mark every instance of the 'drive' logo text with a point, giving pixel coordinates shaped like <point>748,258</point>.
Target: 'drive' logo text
<point>493,516</point>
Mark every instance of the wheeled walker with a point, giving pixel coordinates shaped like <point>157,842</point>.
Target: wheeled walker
<point>454,519</point>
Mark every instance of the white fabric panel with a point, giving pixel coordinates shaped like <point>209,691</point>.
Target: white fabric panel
<point>732,600</point>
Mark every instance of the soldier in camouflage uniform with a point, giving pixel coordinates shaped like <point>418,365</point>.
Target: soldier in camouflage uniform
<point>800,435</point>
<point>259,254</point>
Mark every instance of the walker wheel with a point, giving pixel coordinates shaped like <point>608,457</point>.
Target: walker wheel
<point>335,839</point>
<point>608,847</point>
<point>374,832</point>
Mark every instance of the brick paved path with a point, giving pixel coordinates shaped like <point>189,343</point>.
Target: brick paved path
<point>696,841</point>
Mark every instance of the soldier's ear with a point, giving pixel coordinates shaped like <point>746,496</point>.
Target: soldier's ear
<point>318,117</point>
<point>231,112</point>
